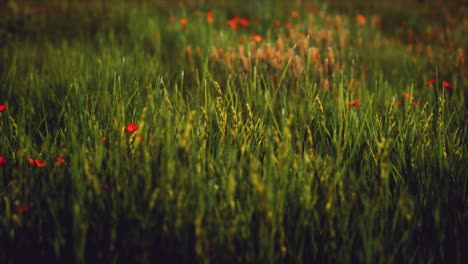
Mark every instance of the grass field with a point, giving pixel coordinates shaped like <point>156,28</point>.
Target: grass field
<point>233,131</point>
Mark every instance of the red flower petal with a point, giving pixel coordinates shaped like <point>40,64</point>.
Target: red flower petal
<point>354,103</point>
<point>447,85</point>
<point>23,209</point>
<point>431,82</point>
<point>2,161</point>
<point>131,128</point>
<point>3,107</point>
<point>39,163</point>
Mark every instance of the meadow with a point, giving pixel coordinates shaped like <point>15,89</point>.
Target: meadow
<point>233,131</point>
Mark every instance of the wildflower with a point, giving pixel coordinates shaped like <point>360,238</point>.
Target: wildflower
<point>2,161</point>
<point>277,22</point>
<point>183,21</point>
<point>131,128</point>
<point>233,23</point>
<point>354,103</point>
<point>23,209</point>
<point>37,162</point>
<point>287,25</point>
<point>361,19</point>
<point>295,14</point>
<point>60,160</point>
<point>3,107</point>
<point>447,85</point>
<point>406,95</point>
<point>431,82</point>
<point>104,139</point>
<point>415,103</point>
<point>209,17</point>
<point>243,22</point>
<point>256,38</point>
<point>397,102</point>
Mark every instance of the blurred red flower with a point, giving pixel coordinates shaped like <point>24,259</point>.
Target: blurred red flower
<point>431,82</point>
<point>447,85</point>
<point>2,161</point>
<point>3,107</point>
<point>37,162</point>
<point>354,103</point>
<point>131,128</point>
<point>209,17</point>
<point>60,159</point>
<point>183,21</point>
<point>295,14</point>
<point>23,209</point>
<point>406,95</point>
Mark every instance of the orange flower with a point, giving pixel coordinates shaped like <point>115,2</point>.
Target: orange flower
<point>287,25</point>
<point>183,21</point>
<point>295,14</point>
<point>406,95</point>
<point>447,85</point>
<point>209,17</point>
<point>361,19</point>
<point>256,38</point>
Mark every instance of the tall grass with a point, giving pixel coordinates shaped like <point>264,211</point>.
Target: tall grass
<point>323,142</point>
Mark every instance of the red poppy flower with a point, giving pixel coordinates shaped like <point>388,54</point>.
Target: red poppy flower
<point>295,14</point>
<point>60,159</point>
<point>354,103</point>
<point>243,21</point>
<point>361,19</point>
<point>23,209</point>
<point>2,161</point>
<point>233,23</point>
<point>3,107</point>
<point>131,128</point>
<point>287,25</point>
<point>447,85</point>
<point>406,95</point>
<point>431,82</point>
<point>277,22</point>
<point>209,17</point>
<point>103,139</point>
<point>397,102</point>
<point>37,162</point>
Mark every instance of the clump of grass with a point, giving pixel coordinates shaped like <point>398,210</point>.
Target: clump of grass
<point>302,135</point>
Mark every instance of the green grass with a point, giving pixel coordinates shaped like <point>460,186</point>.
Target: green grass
<point>244,152</point>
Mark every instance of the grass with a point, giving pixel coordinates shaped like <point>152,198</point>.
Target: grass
<point>334,134</point>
